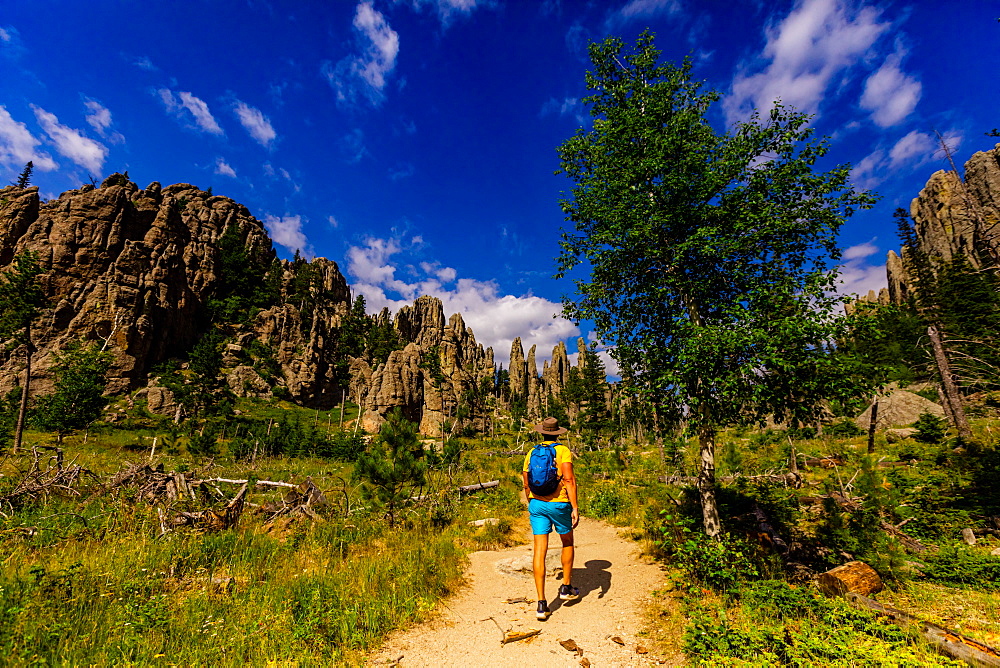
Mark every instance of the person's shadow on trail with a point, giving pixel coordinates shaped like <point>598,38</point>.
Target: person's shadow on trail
<point>592,577</point>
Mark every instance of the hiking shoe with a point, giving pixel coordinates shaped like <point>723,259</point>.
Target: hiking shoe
<point>569,592</point>
<point>543,611</point>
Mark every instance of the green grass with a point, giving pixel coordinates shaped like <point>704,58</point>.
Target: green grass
<point>87,580</point>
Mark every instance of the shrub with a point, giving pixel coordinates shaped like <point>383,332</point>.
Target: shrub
<point>930,428</point>
<point>607,501</point>
<point>721,564</point>
<point>958,565</point>
<point>843,428</point>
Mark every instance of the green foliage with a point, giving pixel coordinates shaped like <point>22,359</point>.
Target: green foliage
<point>202,389</point>
<point>930,428</point>
<point>204,442</point>
<point>449,456</point>
<point>80,372</point>
<point>783,625</point>
<point>430,360</point>
<point>801,433</point>
<point>722,564</point>
<point>969,313</point>
<point>21,298</point>
<point>8,416</point>
<point>859,532</point>
<point>245,285</point>
<point>606,502</point>
<point>959,565</point>
<point>844,428</point>
<point>392,467</point>
<point>706,260</point>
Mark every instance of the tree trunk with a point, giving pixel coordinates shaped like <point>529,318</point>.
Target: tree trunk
<point>948,384</point>
<point>872,424</point>
<point>706,482</point>
<point>23,410</point>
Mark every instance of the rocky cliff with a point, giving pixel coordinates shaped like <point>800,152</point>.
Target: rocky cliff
<point>135,270</point>
<point>952,217</point>
<point>148,272</point>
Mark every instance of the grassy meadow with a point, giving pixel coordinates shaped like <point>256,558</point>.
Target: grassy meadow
<point>89,577</point>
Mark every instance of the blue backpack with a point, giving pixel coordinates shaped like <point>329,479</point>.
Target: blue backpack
<point>543,475</point>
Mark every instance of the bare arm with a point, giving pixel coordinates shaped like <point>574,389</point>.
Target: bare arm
<point>569,481</point>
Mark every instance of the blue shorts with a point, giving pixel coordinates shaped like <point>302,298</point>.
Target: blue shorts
<point>546,514</point>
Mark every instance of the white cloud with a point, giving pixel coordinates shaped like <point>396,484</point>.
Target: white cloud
<point>860,251</point>
<point>857,275</point>
<point>402,170</point>
<point>890,94</point>
<point>99,117</point>
<point>198,110</point>
<point>641,9</point>
<point>495,319</point>
<point>353,145</point>
<point>256,123</point>
<point>223,168</point>
<point>367,72</point>
<point>18,145</point>
<point>5,36</point>
<point>908,153</point>
<point>142,62</point>
<point>287,231</point>
<point>914,149</point>
<point>804,54</point>
<point>568,106</point>
<point>84,151</point>
<point>448,9</point>
<point>333,222</point>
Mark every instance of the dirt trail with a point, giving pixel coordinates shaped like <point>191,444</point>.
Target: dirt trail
<point>615,584</point>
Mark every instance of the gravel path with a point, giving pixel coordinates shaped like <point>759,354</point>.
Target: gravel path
<point>615,584</point>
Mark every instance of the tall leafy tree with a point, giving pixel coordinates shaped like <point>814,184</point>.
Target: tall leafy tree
<point>711,254</point>
<point>80,377</point>
<point>21,301</point>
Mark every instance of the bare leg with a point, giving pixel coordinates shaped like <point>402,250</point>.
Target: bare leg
<point>567,556</point>
<point>538,564</point>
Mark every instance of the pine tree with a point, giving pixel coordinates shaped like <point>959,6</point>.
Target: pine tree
<point>392,467</point>
<point>21,301</point>
<point>24,178</point>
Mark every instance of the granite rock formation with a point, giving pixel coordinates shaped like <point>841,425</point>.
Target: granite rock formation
<point>134,269</point>
<point>142,273</point>
<point>442,379</point>
<point>953,216</point>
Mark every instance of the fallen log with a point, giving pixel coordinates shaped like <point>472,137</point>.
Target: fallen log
<point>824,462</point>
<point>261,483</point>
<point>465,489</point>
<point>855,577</point>
<point>947,642</point>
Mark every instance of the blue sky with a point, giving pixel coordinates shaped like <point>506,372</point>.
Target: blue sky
<point>414,141</point>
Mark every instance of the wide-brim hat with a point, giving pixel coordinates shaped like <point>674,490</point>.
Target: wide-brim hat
<point>550,427</point>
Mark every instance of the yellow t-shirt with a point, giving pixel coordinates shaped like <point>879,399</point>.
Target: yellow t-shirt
<point>563,454</point>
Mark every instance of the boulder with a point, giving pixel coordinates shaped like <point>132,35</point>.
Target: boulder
<point>898,409</point>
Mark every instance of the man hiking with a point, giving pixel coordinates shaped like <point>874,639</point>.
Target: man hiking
<point>550,486</point>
